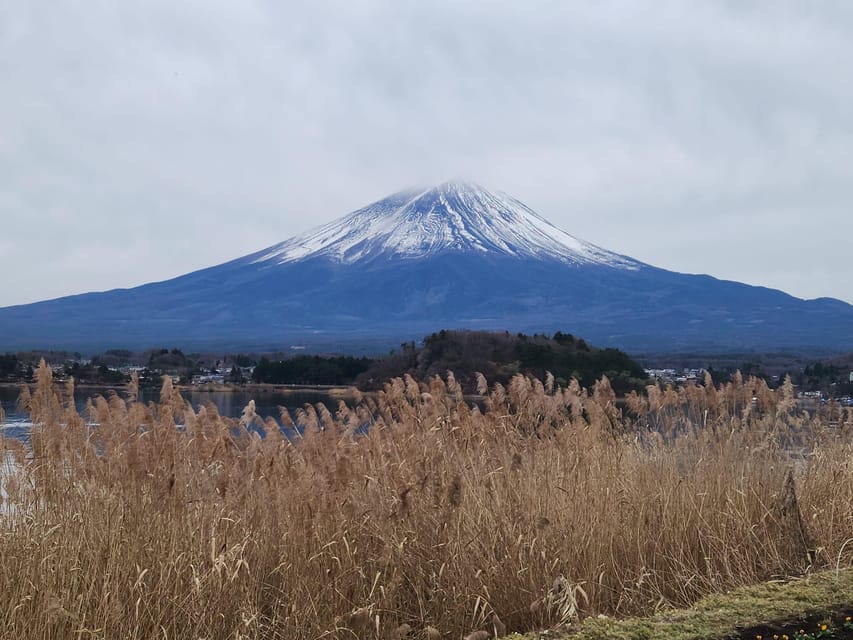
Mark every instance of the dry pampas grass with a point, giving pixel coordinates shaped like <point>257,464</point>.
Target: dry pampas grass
<point>414,514</point>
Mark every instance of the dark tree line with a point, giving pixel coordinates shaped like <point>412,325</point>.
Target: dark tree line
<point>10,366</point>
<point>335,370</point>
<point>499,356</point>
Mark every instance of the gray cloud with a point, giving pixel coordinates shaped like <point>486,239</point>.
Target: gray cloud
<point>142,140</point>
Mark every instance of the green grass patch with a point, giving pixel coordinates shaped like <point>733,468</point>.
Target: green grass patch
<point>742,613</point>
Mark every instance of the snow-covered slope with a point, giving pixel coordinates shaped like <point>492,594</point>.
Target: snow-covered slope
<point>455,216</point>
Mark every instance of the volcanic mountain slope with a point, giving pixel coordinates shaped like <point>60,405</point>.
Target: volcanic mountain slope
<point>452,256</point>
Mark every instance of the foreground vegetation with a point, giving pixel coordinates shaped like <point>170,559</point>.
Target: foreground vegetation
<point>546,506</point>
<point>817,607</point>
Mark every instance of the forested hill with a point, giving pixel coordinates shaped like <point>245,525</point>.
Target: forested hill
<point>499,356</point>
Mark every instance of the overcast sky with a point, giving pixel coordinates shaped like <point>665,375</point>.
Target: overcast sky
<point>140,140</point>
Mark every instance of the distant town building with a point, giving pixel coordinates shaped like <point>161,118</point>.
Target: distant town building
<point>673,375</point>
<point>212,378</point>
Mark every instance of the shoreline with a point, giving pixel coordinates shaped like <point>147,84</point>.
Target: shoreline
<point>286,389</point>
<point>337,391</point>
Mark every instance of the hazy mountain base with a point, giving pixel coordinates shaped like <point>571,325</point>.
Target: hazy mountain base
<point>352,308</point>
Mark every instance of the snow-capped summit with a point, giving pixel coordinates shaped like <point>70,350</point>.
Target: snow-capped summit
<point>455,216</point>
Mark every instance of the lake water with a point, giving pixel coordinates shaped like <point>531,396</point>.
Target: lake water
<point>229,404</point>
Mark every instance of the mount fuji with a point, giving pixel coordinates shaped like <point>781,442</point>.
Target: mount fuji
<point>451,256</point>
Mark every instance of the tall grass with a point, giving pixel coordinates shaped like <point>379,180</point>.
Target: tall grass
<point>438,520</point>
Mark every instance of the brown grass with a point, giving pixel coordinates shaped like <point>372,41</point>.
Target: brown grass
<point>438,521</point>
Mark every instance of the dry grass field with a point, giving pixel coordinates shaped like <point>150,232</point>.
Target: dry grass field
<point>440,519</point>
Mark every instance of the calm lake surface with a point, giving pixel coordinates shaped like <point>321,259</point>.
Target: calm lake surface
<point>229,404</point>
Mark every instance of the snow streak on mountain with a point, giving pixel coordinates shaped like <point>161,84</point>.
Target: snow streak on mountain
<point>452,217</point>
